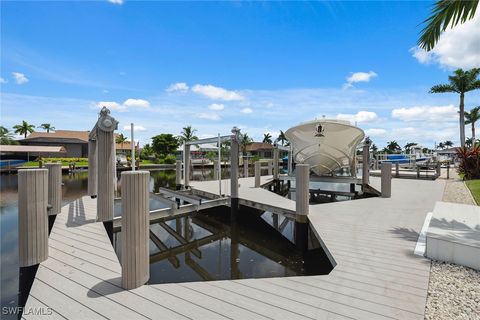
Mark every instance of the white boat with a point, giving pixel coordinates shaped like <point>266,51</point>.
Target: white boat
<point>326,145</point>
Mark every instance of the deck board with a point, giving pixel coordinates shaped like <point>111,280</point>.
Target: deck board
<point>372,241</point>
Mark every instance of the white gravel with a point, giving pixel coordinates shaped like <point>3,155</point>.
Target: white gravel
<point>453,291</point>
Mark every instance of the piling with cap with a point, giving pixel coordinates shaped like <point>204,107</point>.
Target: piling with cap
<point>386,180</point>
<point>135,256</point>
<point>258,169</point>
<point>32,216</point>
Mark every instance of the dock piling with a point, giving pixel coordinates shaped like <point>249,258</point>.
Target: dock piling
<point>54,192</point>
<point>302,188</point>
<point>186,165</point>
<point>386,180</point>
<point>135,229</point>
<point>215,169</point>
<point>178,174</point>
<point>290,161</point>
<point>275,162</point>
<point>270,167</point>
<point>234,153</point>
<point>397,170</point>
<point>366,164</point>
<point>92,168</point>
<point>32,216</point>
<point>245,168</point>
<point>258,173</point>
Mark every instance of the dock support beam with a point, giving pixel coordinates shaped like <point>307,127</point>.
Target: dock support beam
<point>386,180</point>
<point>215,169</point>
<point>245,168</point>
<point>186,165</point>
<point>234,152</point>
<point>178,174</point>
<point>54,192</point>
<point>92,168</point>
<point>135,229</point>
<point>258,173</point>
<point>32,216</point>
<point>366,164</point>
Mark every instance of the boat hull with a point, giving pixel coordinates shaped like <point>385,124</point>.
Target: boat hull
<point>326,145</point>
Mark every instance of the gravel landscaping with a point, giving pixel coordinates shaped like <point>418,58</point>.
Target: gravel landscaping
<point>453,291</point>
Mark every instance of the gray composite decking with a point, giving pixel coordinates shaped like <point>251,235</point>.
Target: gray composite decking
<point>372,241</point>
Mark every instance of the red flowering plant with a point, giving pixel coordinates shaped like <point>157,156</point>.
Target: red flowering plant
<point>469,162</point>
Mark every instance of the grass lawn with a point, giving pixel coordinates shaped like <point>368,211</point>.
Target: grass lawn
<point>64,163</point>
<point>474,186</point>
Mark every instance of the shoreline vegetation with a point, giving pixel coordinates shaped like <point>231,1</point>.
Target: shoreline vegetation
<point>474,187</point>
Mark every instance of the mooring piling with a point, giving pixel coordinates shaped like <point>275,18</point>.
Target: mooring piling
<point>386,180</point>
<point>258,173</point>
<point>234,153</point>
<point>178,174</point>
<point>32,216</point>
<point>302,189</point>
<point>186,165</point>
<point>245,168</point>
<point>92,168</point>
<point>54,192</point>
<point>135,229</point>
<point>366,164</point>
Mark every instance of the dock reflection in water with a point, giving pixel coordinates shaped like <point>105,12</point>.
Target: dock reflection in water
<point>211,246</point>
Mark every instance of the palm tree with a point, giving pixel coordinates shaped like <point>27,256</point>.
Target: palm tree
<point>460,82</point>
<point>267,138</point>
<point>188,134</point>
<point>445,13</point>
<point>24,128</point>
<point>448,144</point>
<point>246,140</point>
<point>393,146</point>
<point>121,139</point>
<point>441,145</point>
<point>282,138</point>
<point>472,117</point>
<point>47,126</point>
<point>408,146</point>
<point>6,137</point>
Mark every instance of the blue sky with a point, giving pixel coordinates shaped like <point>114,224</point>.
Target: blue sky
<point>263,66</point>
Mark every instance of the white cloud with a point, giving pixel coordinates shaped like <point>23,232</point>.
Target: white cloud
<point>119,2</point>
<point>105,91</point>
<point>359,77</point>
<point>246,110</point>
<point>135,128</point>
<point>218,93</point>
<point>136,103</point>
<point>216,106</point>
<point>19,78</point>
<point>457,48</point>
<point>179,86</point>
<point>374,132</point>
<point>3,80</point>
<point>111,105</point>
<point>208,116</point>
<point>359,117</point>
<point>426,113</point>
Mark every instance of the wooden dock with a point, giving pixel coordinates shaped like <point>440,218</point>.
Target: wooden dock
<point>372,241</point>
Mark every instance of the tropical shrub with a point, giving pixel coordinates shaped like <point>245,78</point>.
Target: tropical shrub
<point>170,159</point>
<point>469,162</point>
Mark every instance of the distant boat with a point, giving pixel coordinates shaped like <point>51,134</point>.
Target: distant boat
<point>326,145</point>
<point>416,155</point>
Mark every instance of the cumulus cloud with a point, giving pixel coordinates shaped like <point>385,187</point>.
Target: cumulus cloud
<point>19,78</point>
<point>216,106</point>
<point>208,116</point>
<point>3,80</point>
<point>129,103</point>
<point>119,2</point>
<point>359,77</point>
<point>426,113</point>
<point>359,117</point>
<point>177,87</point>
<point>374,132</point>
<point>138,103</point>
<point>246,110</point>
<point>458,47</point>
<point>217,93</point>
<point>135,128</point>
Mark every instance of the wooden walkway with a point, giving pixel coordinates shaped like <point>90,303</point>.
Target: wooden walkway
<point>372,241</point>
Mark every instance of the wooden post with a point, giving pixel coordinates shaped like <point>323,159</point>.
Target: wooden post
<point>366,164</point>
<point>245,168</point>
<point>275,162</point>
<point>186,165</point>
<point>439,170</point>
<point>215,169</point>
<point>302,188</point>
<point>92,168</point>
<point>290,161</point>
<point>270,167</point>
<point>386,180</point>
<point>135,229</point>
<point>258,169</point>
<point>234,151</point>
<point>418,172</point>
<point>32,216</point>
<point>132,145</point>
<point>178,174</point>
<point>397,170</point>
<point>448,170</point>
<point>54,187</point>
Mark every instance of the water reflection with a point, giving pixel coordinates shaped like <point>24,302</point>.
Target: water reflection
<point>212,246</point>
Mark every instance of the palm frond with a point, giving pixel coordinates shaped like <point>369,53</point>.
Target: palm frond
<point>445,13</point>
<point>442,88</point>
